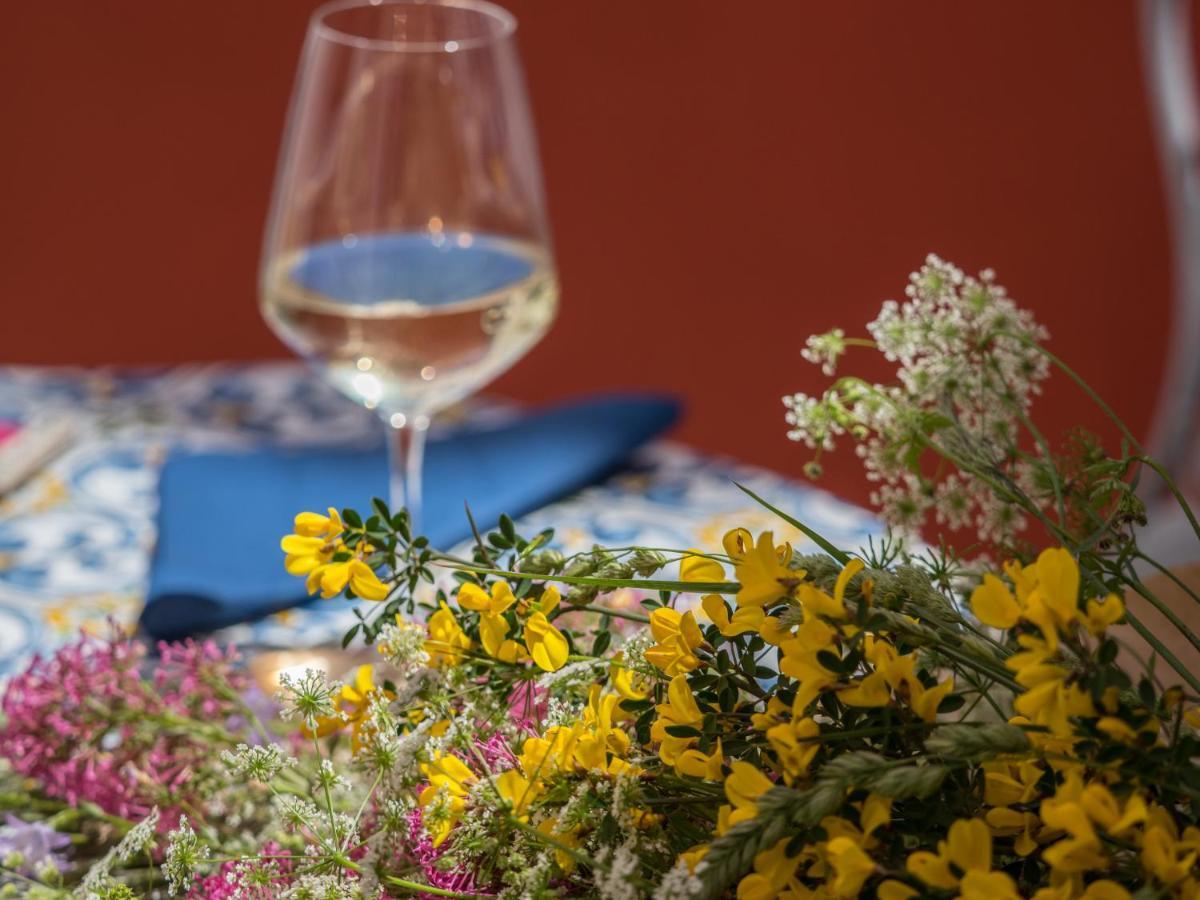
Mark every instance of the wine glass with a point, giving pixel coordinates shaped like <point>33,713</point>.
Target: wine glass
<point>407,253</point>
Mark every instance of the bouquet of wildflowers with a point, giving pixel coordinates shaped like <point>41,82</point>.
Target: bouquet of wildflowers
<point>883,721</point>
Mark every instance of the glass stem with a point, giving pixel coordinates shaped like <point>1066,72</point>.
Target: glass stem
<point>406,454</point>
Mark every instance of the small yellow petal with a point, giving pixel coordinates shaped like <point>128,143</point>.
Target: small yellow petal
<point>365,583</point>
<point>1058,581</point>
<point>994,605</point>
<point>473,597</point>
<point>299,544</point>
<point>700,569</point>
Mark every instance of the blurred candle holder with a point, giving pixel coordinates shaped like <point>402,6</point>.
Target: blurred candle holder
<point>267,666</point>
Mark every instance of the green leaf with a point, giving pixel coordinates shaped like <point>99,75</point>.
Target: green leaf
<point>830,660</point>
<point>1108,652</point>
<point>935,421</point>
<point>1146,692</point>
<point>350,635</point>
<point>603,639</point>
<point>352,518</point>
<point>951,702</point>
<point>401,526</point>
<point>636,705</point>
<point>840,555</point>
<point>609,829</point>
<point>683,731</point>
<point>381,509</point>
<point>912,458</point>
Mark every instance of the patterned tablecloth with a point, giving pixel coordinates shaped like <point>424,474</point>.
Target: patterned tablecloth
<point>76,540</point>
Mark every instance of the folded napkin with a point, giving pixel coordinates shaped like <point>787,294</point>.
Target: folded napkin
<point>217,561</point>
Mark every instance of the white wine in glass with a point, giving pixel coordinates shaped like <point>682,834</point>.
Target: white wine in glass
<point>407,255</point>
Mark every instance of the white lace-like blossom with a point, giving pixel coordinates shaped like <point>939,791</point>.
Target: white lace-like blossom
<point>308,698</point>
<point>185,855</point>
<point>403,645</point>
<point>260,763</point>
<point>679,884</point>
<point>322,887</point>
<point>613,877</point>
<point>139,839</point>
<point>583,672</point>
<point>967,371</point>
<point>329,779</point>
<point>824,350</point>
<point>295,812</point>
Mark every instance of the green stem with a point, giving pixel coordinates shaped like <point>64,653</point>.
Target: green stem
<point>860,342</point>
<point>1162,651</point>
<point>602,611</point>
<point>979,665</point>
<point>1044,447</point>
<point>691,587</point>
<point>1180,583</point>
<point>417,888</point>
<point>853,733</point>
<point>1174,489</point>
<point>1167,612</point>
<point>362,807</point>
<point>572,852</point>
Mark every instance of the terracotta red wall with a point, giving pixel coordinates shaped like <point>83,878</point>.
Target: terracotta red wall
<point>724,179</point>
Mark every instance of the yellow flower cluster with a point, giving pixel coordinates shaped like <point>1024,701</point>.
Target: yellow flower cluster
<point>1047,598</point>
<point>842,861</point>
<point>595,743</point>
<point>448,644</point>
<point>544,643</point>
<point>760,690</point>
<point>311,551</point>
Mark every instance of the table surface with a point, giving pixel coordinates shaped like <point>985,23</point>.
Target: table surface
<point>76,540</point>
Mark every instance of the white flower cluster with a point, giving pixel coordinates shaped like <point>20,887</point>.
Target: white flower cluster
<point>328,779</point>
<point>968,369</point>
<point>307,698</point>
<point>260,763</point>
<point>322,887</point>
<point>680,883</point>
<point>577,673</point>
<point>634,652</point>
<point>824,350</point>
<point>615,871</point>
<point>186,853</point>
<point>385,751</point>
<point>294,812</point>
<point>141,838</point>
<point>403,645</point>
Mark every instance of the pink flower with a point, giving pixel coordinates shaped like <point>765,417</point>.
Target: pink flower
<point>425,856</point>
<point>89,727</point>
<point>527,705</point>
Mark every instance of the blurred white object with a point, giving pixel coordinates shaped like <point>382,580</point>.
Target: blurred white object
<point>1167,55</point>
<point>1171,80</point>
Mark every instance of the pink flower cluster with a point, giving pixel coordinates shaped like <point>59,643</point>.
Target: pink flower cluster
<point>423,854</point>
<point>259,879</point>
<point>88,726</point>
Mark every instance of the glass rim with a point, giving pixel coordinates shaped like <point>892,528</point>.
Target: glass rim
<point>506,24</point>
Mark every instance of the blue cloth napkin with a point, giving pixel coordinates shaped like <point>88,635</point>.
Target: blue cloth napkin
<point>217,561</point>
